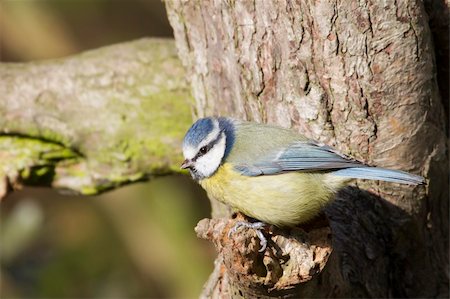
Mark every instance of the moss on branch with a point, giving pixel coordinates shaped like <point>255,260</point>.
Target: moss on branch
<point>95,120</point>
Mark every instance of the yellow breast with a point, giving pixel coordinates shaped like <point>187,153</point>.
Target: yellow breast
<point>284,199</point>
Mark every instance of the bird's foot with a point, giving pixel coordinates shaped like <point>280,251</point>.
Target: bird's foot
<point>257,226</point>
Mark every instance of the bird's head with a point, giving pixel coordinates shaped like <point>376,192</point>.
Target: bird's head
<point>206,144</point>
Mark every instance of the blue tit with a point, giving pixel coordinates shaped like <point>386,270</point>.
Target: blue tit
<point>270,173</point>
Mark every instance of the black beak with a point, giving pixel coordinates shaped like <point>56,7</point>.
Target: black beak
<point>186,164</point>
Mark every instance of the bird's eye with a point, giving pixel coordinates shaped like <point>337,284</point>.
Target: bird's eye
<point>203,150</point>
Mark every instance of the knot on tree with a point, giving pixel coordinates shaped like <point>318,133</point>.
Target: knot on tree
<point>293,257</point>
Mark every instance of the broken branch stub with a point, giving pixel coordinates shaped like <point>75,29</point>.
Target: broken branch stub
<point>293,257</point>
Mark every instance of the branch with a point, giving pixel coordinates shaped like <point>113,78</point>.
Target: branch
<point>93,121</point>
<point>292,257</point>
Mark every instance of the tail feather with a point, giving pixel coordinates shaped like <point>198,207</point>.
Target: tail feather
<point>382,174</point>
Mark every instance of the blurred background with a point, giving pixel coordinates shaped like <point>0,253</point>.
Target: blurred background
<point>134,242</point>
<point>45,29</point>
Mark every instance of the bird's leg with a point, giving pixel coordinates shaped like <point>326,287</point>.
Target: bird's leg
<point>257,226</point>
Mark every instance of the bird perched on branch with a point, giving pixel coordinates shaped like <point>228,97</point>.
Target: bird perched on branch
<point>270,173</point>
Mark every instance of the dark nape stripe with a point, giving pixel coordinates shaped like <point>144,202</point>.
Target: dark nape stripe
<point>226,125</point>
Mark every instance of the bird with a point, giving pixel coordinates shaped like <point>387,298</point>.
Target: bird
<point>272,174</point>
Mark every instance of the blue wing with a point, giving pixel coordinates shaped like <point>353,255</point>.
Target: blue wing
<point>299,156</point>
<point>311,156</point>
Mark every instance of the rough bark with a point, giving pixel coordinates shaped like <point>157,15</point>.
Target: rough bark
<point>356,75</point>
<point>438,13</point>
<point>93,121</point>
<point>292,259</point>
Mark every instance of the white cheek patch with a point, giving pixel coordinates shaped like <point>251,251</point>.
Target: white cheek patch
<point>207,164</point>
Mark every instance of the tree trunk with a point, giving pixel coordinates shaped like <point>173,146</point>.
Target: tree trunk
<point>356,75</point>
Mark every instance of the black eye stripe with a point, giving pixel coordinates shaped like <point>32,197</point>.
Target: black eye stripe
<point>208,147</point>
<point>200,153</point>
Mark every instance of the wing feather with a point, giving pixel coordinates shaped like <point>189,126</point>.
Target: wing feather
<point>299,156</point>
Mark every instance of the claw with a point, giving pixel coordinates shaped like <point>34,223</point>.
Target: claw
<point>257,226</point>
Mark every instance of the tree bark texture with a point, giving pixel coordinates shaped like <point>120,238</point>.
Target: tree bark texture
<point>438,13</point>
<point>93,121</point>
<point>360,76</point>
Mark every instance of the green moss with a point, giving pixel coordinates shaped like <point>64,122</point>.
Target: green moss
<point>33,159</point>
<point>39,175</point>
<point>59,154</point>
